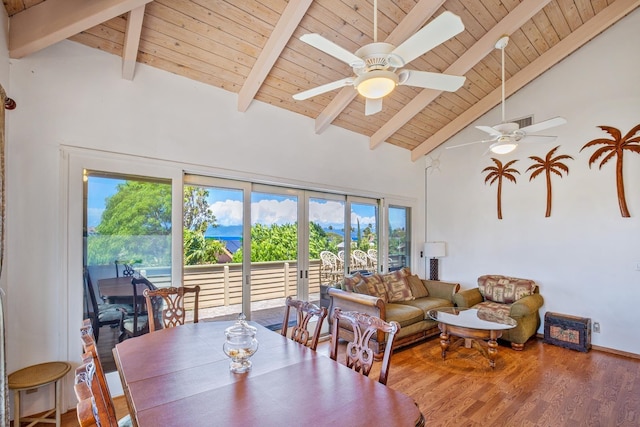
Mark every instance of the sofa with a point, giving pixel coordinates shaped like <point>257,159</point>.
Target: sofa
<point>399,296</point>
<point>517,298</point>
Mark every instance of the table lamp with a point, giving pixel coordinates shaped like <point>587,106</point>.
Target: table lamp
<point>434,250</point>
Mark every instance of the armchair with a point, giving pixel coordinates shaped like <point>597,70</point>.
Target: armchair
<point>507,296</point>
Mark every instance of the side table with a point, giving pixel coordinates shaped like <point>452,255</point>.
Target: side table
<point>33,377</point>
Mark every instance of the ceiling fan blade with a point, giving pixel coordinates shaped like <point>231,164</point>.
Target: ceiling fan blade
<point>322,89</point>
<point>372,106</point>
<point>430,80</point>
<point>539,138</point>
<point>431,35</point>
<point>537,127</point>
<point>472,142</point>
<point>330,48</point>
<point>489,130</point>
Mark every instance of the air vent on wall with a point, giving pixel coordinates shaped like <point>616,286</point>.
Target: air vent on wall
<point>523,122</point>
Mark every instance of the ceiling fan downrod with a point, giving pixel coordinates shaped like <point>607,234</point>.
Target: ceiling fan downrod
<point>502,44</point>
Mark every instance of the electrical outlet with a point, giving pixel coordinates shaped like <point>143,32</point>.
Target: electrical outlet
<point>596,327</point>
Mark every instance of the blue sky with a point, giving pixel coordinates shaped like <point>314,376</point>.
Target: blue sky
<point>267,209</point>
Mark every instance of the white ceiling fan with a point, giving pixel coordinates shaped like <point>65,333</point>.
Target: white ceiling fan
<point>376,64</point>
<point>506,135</point>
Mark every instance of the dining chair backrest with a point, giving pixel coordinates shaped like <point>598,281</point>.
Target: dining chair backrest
<point>359,356</point>
<point>86,387</point>
<point>305,311</point>
<point>166,308</point>
<point>91,355</point>
<point>87,412</point>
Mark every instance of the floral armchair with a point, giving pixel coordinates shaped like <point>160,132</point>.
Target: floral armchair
<point>507,296</point>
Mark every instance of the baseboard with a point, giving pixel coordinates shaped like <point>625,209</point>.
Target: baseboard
<point>606,350</point>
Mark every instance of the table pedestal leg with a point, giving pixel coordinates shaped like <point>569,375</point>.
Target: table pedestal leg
<point>444,342</point>
<point>493,348</point>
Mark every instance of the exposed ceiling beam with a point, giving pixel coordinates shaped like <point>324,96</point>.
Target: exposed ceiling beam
<point>557,53</point>
<point>131,42</point>
<point>411,23</point>
<point>52,21</point>
<point>287,24</point>
<point>509,24</point>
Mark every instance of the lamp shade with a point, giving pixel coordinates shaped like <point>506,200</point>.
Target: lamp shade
<point>434,249</point>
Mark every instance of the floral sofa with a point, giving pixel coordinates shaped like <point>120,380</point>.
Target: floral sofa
<point>399,296</point>
<point>517,298</point>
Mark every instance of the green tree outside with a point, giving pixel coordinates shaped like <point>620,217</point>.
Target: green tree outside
<point>136,227</point>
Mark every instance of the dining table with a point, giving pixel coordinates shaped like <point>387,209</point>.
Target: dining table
<point>180,376</point>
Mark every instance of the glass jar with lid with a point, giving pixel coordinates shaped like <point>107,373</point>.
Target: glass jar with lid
<point>240,345</point>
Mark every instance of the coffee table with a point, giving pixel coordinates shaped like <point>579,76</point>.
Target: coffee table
<point>472,326</point>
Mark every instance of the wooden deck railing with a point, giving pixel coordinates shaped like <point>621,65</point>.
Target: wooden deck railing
<point>221,284</point>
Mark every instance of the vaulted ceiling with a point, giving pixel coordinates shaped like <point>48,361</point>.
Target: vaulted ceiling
<point>253,48</point>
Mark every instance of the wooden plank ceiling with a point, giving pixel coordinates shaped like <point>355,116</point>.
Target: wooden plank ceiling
<point>252,48</point>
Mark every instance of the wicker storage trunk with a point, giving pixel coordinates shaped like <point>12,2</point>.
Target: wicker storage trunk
<point>567,331</point>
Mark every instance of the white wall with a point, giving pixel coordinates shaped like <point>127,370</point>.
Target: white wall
<point>585,255</point>
<point>72,95</point>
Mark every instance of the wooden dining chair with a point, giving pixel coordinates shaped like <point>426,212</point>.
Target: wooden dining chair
<point>98,376</point>
<point>88,385</point>
<point>305,311</point>
<point>359,356</point>
<point>86,411</point>
<point>166,306</point>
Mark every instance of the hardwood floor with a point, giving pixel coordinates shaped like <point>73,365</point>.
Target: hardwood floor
<point>543,385</point>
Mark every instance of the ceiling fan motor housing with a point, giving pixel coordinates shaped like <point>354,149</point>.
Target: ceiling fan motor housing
<point>375,57</point>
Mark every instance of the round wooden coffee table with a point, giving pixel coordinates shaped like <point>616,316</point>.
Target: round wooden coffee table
<point>471,325</point>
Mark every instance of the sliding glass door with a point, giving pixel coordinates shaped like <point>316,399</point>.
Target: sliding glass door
<point>275,234</point>
<point>250,246</point>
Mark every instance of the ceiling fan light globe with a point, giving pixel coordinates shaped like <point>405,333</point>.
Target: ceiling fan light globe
<point>503,147</point>
<point>376,84</point>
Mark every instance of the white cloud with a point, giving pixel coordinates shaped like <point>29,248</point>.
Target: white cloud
<point>269,212</point>
<point>228,212</point>
<point>330,212</point>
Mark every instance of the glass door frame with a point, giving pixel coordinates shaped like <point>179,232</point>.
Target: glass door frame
<point>73,163</point>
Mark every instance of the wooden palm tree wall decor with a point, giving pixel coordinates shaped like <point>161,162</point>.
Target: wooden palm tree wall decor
<point>549,165</point>
<point>497,173</point>
<point>552,164</point>
<point>616,147</point>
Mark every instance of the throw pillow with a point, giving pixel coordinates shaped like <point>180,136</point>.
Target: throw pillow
<point>503,289</point>
<point>361,288</point>
<point>397,287</point>
<point>350,282</point>
<point>376,286</point>
<point>418,290</point>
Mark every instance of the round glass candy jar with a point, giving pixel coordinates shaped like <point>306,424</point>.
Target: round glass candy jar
<point>240,345</point>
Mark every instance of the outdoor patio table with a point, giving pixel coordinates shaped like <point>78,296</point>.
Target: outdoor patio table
<point>180,376</point>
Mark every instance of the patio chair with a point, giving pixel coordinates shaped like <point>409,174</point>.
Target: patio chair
<point>359,356</point>
<point>359,260</point>
<point>101,313</point>
<point>305,311</point>
<point>329,269</point>
<point>170,312</point>
<point>372,257</point>
<point>137,323</point>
